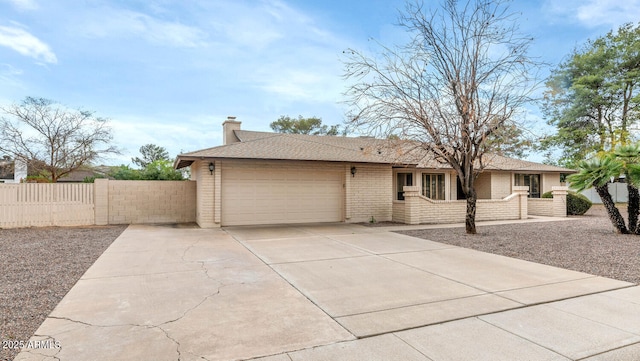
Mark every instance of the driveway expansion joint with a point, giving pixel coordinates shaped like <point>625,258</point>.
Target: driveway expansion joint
<point>520,337</point>
<point>290,283</point>
<point>607,351</point>
<point>410,345</point>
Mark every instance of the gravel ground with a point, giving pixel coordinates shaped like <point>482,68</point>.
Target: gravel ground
<point>585,244</point>
<point>38,266</point>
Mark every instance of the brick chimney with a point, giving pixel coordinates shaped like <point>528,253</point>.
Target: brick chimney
<point>228,126</point>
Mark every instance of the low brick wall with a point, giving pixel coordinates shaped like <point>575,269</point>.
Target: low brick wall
<point>398,211</point>
<point>417,209</point>
<point>540,207</point>
<point>550,207</point>
<point>455,211</point>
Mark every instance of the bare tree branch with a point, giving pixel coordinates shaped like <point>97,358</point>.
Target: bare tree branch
<point>54,140</point>
<point>450,91</point>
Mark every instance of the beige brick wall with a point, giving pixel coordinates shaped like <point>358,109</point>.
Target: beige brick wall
<point>398,212</point>
<point>104,202</point>
<point>453,186</point>
<point>101,199</point>
<point>369,193</point>
<point>151,201</point>
<point>426,211</point>
<point>540,207</point>
<point>559,200</point>
<point>205,199</point>
<point>550,180</point>
<point>550,207</point>
<point>483,185</point>
<point>455,211</point>
<point>501,183</point>
<point>217,198</point>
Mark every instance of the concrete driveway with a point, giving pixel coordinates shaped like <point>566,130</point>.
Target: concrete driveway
<point>331,292</point>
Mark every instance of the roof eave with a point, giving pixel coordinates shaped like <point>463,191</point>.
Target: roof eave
<point>185,161</point>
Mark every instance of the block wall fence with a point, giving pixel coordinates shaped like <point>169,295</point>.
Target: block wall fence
<point>101,203</point>
<point>125,202</point>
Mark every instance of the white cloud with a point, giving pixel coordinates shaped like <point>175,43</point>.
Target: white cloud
<point>109,22</point>
<point>10,80</point>
<point>281,50</point>
<point>132,132</point>
<point>9,70</point>
<point>26,44</point>
<point>593,13</point>
<point>608,12</point>
<point>24,4</point>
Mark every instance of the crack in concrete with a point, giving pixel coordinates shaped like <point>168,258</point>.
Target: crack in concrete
<point>192,308</point>
<point>47,337</point>
<point>165,332</point>
<point>204,268</point>
<point>40,354</point>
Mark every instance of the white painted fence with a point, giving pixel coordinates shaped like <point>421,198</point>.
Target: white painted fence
<point>41,204</point>
<point>618,192</point>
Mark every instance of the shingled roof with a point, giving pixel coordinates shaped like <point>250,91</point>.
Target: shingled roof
<point>282,146</point>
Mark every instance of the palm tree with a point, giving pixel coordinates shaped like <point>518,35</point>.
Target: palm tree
<point>629,156</point>
<point>596,173</point>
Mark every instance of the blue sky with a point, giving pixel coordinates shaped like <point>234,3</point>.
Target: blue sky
<point>170,71</point>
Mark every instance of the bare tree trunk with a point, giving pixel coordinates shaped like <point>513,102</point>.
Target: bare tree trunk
<point>633,207</point>
<point>470,219</point>
<point>614,214</point>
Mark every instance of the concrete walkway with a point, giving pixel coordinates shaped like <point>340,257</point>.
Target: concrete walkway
<point>331,292</point>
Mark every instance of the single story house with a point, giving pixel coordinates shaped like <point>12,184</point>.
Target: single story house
<point>274,178</point>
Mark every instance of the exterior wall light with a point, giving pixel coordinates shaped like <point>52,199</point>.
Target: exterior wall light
<point>212,167</point>
<point>353,171</point>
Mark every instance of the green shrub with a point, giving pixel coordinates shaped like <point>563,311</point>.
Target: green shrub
<point>577,204</point>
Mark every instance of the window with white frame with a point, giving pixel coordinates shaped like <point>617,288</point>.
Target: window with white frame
<point>433,186</point>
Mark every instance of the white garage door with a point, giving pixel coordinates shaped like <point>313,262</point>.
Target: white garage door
<point>272,196</point>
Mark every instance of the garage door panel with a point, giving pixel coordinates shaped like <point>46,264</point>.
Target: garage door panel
<point>270,195</point>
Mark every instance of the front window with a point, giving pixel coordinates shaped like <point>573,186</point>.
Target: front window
<point>403,179</point>
<point>433,186</point>
<point>530,180</point>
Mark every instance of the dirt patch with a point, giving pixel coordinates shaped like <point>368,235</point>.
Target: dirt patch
<point>38,266</point>
<point>586,244</point>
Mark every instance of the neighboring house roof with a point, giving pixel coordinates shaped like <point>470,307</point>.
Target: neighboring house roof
<point>79,175</point>
<point>283,146</point>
